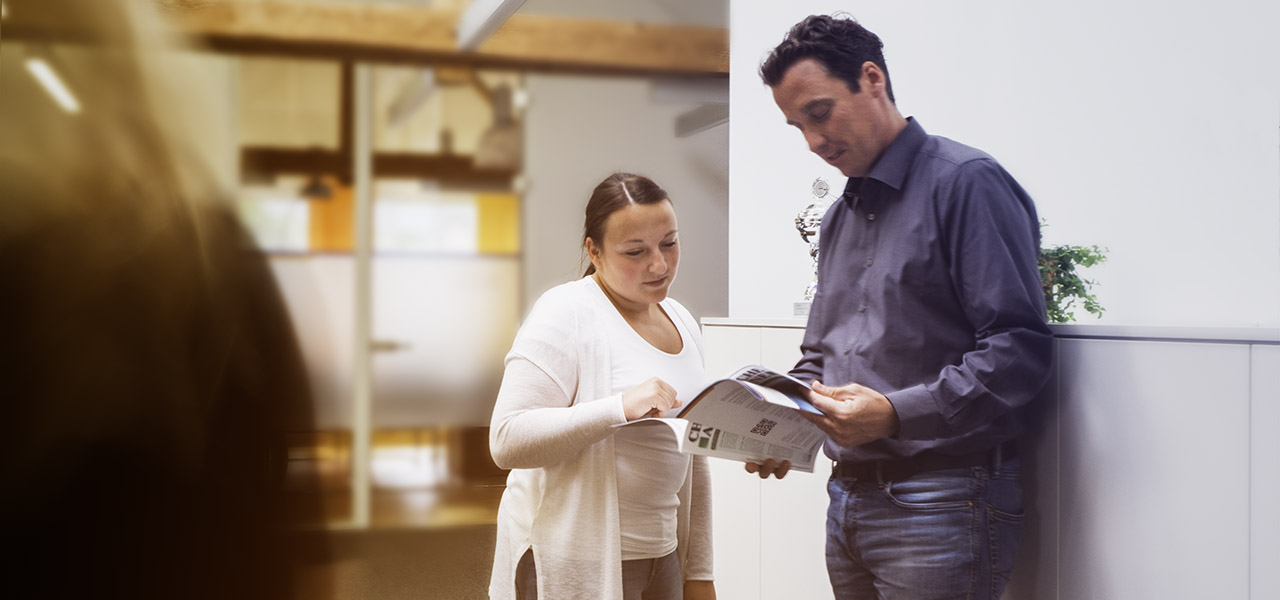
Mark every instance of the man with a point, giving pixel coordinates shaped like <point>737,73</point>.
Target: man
<point>927,336</point>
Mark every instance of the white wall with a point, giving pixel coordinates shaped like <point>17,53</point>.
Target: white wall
<point>1152,128</point>
<point>578,130</point>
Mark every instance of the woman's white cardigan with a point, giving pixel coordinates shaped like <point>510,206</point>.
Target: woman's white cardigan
<point>562,493</point>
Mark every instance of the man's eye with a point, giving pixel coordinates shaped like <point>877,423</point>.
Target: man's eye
<point>819,116</point>
<point>668,244</point>
<point>635,252</point>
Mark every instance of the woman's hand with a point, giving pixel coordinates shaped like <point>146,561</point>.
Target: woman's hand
<point>699,590</point>
<point>649,399</point>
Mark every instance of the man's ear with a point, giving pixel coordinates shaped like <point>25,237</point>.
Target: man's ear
<point>873,77</point>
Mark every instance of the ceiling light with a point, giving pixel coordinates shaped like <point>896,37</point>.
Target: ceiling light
<point>412,96</point>
<point>701,119</point>
<point>483,18</point>
<point>48,78</point>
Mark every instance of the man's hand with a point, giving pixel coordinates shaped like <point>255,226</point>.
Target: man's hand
<point>852,414</point>
<point>770,467</point>
<point>699,590</point>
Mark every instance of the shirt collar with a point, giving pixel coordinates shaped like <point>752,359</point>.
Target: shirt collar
<point>895,162</point>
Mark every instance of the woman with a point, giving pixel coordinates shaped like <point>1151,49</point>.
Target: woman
<point>592,510</point>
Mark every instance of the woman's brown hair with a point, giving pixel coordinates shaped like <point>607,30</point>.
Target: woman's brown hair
<point>612,194</point>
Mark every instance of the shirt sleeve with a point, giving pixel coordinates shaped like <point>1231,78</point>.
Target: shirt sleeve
<point>809,368</point>
<point>535,421</point>
<point>992,245</point>
<point>534,424</point>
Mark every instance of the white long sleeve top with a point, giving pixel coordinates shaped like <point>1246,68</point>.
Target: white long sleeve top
<point>553,425</point>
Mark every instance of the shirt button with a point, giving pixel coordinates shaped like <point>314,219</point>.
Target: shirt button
<point>869,261</point>
<point>871,217</point>
<point>862,308</point>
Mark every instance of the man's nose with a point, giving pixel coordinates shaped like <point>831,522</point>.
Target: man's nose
<point>817,142</point>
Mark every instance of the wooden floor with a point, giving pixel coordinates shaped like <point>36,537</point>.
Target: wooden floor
<point>433,505</point>
<point>420,479</point>
<point>446,563</point>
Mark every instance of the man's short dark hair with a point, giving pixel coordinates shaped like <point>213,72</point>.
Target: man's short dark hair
<point>838,43</point>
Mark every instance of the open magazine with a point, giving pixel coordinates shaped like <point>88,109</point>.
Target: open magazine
<point>752,415</point>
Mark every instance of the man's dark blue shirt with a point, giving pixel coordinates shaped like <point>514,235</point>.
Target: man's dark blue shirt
<point>929,293</point>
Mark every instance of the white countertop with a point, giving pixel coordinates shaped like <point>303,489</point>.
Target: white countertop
<point>1246,335</point>
<point>788,322</point>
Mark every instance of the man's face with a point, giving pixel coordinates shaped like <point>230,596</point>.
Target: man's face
<point>843,128</point>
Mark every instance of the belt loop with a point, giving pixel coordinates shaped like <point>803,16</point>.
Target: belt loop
<point>880,473</point>
<point>999,459</point>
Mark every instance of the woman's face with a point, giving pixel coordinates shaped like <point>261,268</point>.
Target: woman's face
<point>636,262</point>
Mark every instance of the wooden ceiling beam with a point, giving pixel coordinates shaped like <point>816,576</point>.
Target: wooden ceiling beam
<point>402,33</point>
<point>445,168</point>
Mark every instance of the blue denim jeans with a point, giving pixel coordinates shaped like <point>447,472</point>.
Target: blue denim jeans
<point>937,535</point>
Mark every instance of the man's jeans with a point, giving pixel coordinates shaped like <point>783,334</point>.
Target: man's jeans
<point>940,534</point>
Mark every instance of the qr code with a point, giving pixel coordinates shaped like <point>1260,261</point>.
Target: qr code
<point>763,427</point>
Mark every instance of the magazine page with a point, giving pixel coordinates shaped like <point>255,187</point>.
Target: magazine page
<point>753,415</point>
<point>779,388</point>
<point>733,419</point>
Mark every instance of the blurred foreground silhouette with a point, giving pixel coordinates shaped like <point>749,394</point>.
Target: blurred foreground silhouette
<point>148,369</point>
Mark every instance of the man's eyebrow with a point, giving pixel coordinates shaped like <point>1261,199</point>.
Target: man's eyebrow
<point>815,102</point>
<point>808,106</point>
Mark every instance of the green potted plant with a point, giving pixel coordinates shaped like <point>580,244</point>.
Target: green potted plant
<point>1062,283</point>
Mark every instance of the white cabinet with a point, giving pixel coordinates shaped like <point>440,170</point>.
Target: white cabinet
<point>1154,481</point>
<point>793,532</point>
<point>1152,471</point>
<point>769,535</point>
<point>1035,573</point>
<point>735,495</point>
<point>1264,509</point>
